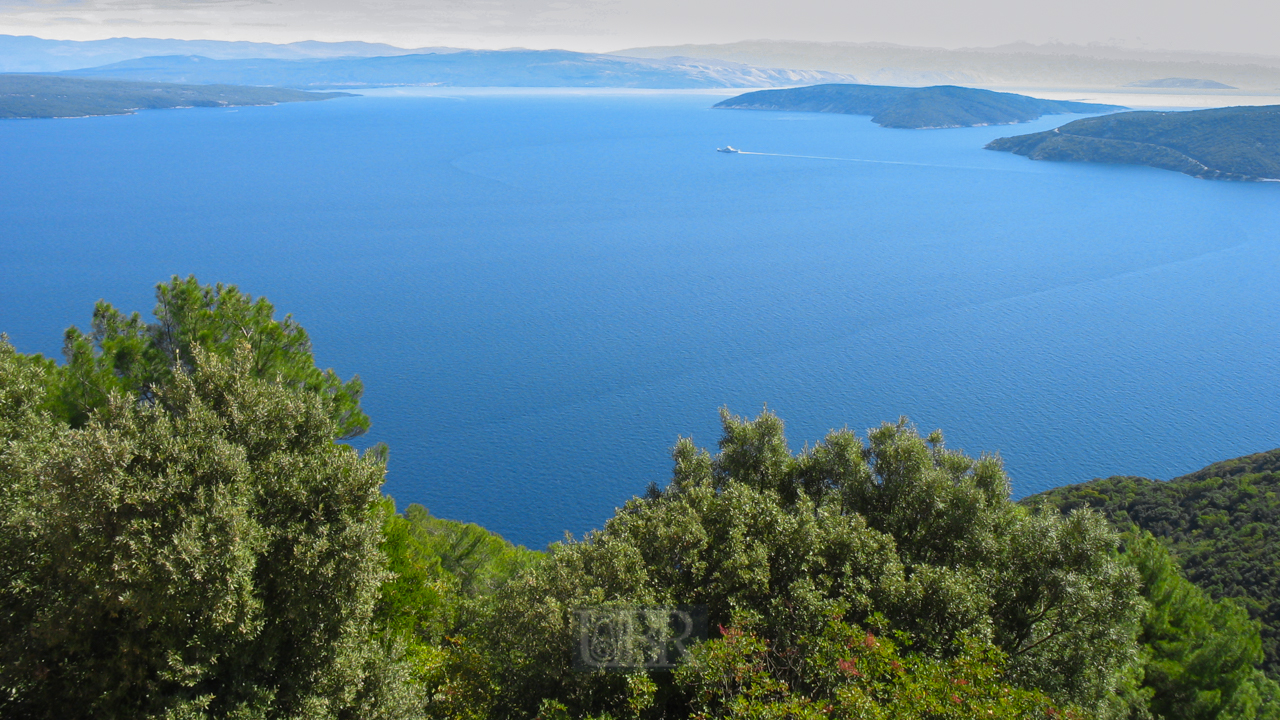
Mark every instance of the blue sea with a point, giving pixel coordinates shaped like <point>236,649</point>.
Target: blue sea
<point>543,290</point>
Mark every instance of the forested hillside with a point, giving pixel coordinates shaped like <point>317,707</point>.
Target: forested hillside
<point>39,96</point>
<point>1222,523</point>
<point>943,106</point>
<point>184,534</point>
<point>1235,143</point>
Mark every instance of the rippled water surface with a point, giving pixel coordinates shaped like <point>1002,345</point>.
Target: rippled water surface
<point>542,291</point>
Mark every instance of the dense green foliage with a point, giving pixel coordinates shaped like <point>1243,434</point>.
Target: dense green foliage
<point>855,674</point>
<point>1200,657</point>
<point>125,354</point>
<point>1222,523</point>
<point>208,553</point>
<point>943,106</point>
<point>1236,143</point>
<point>181,536</point>
<point>41,96</point>
<point>901,534</point>
<point>439,569</point>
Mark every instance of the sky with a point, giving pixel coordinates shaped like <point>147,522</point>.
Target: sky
<point>1247,26</point>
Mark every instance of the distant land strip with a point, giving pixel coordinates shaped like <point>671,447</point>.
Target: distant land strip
<point>38,96</point>
<point>1235,143</point>
<point>942,106</point>
<point>461,68</point>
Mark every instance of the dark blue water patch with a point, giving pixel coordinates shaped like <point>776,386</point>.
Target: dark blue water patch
<point>542,291</point>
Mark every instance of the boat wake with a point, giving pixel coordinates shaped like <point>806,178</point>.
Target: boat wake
<point>857,160</point>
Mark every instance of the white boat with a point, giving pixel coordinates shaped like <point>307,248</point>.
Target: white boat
<point>728,149</point>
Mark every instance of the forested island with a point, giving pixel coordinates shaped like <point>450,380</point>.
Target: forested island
<point>1234,143</point>
<point>184,533</point>
<point>943,106</point>
<point>42,96</point>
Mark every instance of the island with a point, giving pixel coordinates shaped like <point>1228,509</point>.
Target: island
<point>39,96</point>
<point>941,106</point>
<point>1234,143</point>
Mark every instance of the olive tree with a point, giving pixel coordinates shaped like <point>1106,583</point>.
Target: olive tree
<point>899,533</point>
<point>211,552</point>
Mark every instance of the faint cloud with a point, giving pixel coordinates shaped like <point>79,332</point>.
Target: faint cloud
<point>27,4</point>
<point>1237,25</point>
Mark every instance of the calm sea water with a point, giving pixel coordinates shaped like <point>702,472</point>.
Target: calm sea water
<point>542,291</point>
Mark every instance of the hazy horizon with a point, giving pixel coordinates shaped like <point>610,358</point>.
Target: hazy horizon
<point>1232,26</point>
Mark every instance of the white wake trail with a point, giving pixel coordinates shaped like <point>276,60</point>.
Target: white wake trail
<point>860,160</point>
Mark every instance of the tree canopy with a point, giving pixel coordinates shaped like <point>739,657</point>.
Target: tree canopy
<point>210,553</point>
<point>1222,524</point>
<point>899,534</point>
<point>1200,657</point>
<point>183,536</point>
<point>125,353</point>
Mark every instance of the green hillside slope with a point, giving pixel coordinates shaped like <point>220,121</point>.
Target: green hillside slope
<point>1237,143</point>
<point>944,106</point>
<point>37,96</point>
<point>1222,522</point>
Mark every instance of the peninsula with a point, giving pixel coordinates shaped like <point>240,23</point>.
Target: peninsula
<point>1235,143</point>
<point>38,96</point>
<point>942,106</point>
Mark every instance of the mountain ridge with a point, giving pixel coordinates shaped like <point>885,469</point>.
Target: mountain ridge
<point>30,54</point>
<point>463,68</point>
<point>1015,65</point>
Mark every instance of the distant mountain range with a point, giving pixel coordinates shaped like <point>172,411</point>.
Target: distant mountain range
<point>463,68</point>
<point>1195,83</point>
<point>27,54</point>
<point>901,107</point>
<point>41,96</point>
<point>1017,65</point>
<point>1235,143</point>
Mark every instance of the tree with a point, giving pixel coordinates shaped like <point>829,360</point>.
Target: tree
<point>859,675</point>
<point>899,531</point>
<point>440,569</point>
<point>1221,523</point>
<point>208,553</point>
<point>1201,657</point>
<point>127,354</point>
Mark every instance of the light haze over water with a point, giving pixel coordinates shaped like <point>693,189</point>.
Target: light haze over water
<point>542,290</point>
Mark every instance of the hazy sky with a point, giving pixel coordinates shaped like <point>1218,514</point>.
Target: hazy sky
<point>598,25</point>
